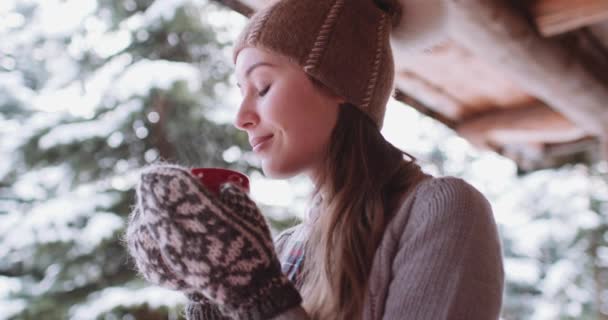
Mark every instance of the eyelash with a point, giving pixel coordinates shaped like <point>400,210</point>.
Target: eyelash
<point>263,92</point>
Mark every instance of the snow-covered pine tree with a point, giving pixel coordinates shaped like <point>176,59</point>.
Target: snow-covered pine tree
<point>91,91</point>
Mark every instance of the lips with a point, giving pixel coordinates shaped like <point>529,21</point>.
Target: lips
<point>259,140</point>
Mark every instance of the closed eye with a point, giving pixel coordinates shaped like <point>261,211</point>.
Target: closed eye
<point>263,92</point>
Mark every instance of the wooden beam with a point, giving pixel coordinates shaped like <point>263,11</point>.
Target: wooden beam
<point>421,107</point>
<point>554,17</point>
<point>549,70</point>
<point>430,95</point>
<point>238,6</point>
<point>535,137</point>
<point>535,124</point>
<point>257,4</point>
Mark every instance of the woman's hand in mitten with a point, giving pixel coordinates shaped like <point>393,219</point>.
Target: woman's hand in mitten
<point>220,247</point>
<point>144,249</point>
<point>146,253</point>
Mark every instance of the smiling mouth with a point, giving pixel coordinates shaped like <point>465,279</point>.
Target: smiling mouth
<point>261,144</point>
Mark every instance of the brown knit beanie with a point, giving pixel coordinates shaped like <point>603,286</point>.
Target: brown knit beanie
<point>343,44</point>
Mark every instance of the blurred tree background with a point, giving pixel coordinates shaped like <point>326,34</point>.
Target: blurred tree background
<point>93,90</point>
<point>90,92</point>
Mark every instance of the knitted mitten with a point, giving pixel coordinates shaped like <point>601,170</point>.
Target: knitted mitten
<point>149,261</point>
<point>212,248</point>
<point>145,250</point>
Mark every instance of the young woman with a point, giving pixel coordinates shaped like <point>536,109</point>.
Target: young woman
<point>383,239</point>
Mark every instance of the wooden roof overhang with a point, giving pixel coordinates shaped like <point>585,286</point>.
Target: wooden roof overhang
<point>527,79</point>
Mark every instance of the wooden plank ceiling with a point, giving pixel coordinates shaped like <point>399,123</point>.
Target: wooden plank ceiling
<point>527,79</point>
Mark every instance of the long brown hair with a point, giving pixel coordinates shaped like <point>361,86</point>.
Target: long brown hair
<point>363,178</point>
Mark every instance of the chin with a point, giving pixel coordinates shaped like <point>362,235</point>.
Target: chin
<point>275,172</point>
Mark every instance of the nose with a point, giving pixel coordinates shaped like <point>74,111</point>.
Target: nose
<point>247,117</point>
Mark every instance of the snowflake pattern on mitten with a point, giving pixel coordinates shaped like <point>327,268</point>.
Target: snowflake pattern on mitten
<point>149,260</point>
<point>212,247</point>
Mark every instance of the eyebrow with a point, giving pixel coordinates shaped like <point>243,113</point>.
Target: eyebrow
<point>255,65</point>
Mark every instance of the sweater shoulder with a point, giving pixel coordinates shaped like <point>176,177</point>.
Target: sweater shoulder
<point>445,199</point>
<point>449,190</point>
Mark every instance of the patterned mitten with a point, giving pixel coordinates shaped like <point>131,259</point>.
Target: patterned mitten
<point>216,248</point>
<point>145,250</point>
<point>149,262</point>
<point>203,310</point>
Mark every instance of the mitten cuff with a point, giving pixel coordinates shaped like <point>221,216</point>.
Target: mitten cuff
<point>201,308</point>
<point>275,301</point>
<point>203,311</point>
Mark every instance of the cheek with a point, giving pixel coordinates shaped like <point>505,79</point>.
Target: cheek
<point>298,148</point>
<point>307,121</point>
<point>307,139</point>
<point>303,121</point>
<point>285,112</point>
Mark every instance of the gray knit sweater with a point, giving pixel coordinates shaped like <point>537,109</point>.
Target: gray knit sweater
<point>440,258</point>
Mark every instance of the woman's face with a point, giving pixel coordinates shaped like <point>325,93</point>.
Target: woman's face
<point>288,119</point>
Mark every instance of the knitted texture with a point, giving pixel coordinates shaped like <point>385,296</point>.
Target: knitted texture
<point>217,250</point>
<point>205,310</point>
<point>440,257</point>
<point>343,44</point>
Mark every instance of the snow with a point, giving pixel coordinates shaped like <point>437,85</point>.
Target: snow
<point>228,24</point>
<point>9,307</point>
<point>101,226</point>
<point>6,146</point>
<point>67,98</point>
<point>134,22</point>
<point>528,238</point>
<point>140,77</point>
<point>85,130</point>
<point>522,270</point>
<point>162,10</point>
<point>562,291</point>
<point>8,286</point>
<point>12,87</point>
<point>34,183</point>
<point>53,21</point>
<point>49,221</point>
<point>115,139</point>
<point>545,310</point>
<point>111,43</point>
<point>7,6</point>
<point>494,172</point>
<point>63,70</point>
<point>9,19</point>
<point>104,301</point>
<point>50,277</point>
<point>560,273</point>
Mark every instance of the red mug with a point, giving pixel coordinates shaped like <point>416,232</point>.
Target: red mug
<point>214,178</point>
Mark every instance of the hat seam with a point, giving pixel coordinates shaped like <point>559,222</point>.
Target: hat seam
<point>258,27</point>
<point>322,39</point>
<point>373,80</point>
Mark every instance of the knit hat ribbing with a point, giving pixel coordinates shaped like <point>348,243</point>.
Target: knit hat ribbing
<point>343,44</point>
